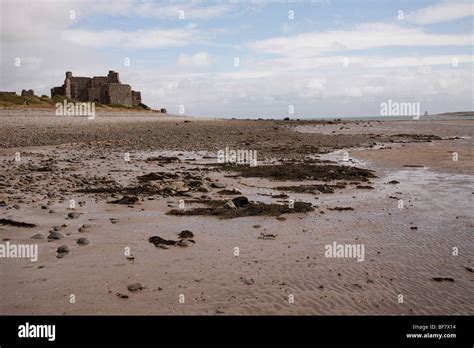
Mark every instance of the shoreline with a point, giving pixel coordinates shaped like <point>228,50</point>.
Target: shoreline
<point>405,249</point>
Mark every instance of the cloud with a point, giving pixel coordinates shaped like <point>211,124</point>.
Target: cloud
<point>364,36</point>
<point>165,10</point>
<point>148,38</point>
<point>30,32</point>
<point>338,62</point>
<point>198,59</point>
<point>304,69</point>
<point>442,12</point>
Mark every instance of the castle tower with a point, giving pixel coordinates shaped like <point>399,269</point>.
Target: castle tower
<point>113,77</point>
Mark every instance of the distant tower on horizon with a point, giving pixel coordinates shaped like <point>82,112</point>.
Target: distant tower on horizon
<point>426,113</point>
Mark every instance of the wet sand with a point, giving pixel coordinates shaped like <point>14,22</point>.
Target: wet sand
<point>61,158</point>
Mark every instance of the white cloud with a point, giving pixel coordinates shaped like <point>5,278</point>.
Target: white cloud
<point>365,36</point>
<point>198,59</point>
<point>442,12</point>
<point>305,70</point>
<point>149,38</point>
<point>166,10</point>
<point>337,62</point>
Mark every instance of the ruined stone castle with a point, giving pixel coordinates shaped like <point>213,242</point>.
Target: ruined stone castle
<point>99,89</point>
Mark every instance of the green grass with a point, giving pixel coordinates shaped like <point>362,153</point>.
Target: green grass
<point>11,100</point>
<point>7,99</point>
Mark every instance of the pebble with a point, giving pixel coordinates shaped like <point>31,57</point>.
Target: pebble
<point>247,281</point>
<point>230,205</point>
<point>184,243</point>
<point>63,249</point>
<point>82,241</point>
<point>73,215</point>
<point>135,287</point>
<point>217,185</point>
<point>55,235</point>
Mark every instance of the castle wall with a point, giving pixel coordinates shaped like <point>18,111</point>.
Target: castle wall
<point>98,81</point>
<point>99,89</point>
<point>136,98</point>
<point>79,86</point>
<point>94,95</point>
<point>119,94</point>
<point>57,91</point>
<point>113,77</point>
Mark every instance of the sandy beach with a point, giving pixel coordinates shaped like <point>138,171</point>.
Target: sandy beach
<point>117,180</point>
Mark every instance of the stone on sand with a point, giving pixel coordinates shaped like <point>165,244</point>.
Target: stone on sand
<point>82,241</point>
<point>55,235</point>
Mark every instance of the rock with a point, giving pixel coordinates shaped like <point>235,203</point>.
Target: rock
<point>203,188</point>
<point>186,234</point>
<point>247,281</point>
<point>61,255</point>
<point>119,295</point>
<point>63,249</point>
<point>230,205</point>
<point>156,240</point>
<point>163,246</point>
<point>364,187</point>
<point>73,215</point>
<point>14,223</point>
<point>55,235</point>
<point>3,201</point>
<point>126,200</point>
<point>267,236</point>
<point>38,236</point>
<point>341,208</point>
<point>241,201</point>
<point>443,279</point>
<point>281,195</point>
<point>184,243</point>
<point>176,186</point>
<point>135,287</point>
<point>217,185</point>
<point>394,182</point>
<point>82,241</point>
<point>229,192</point>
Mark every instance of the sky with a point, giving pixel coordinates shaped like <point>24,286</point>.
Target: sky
<point>249,59</point>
